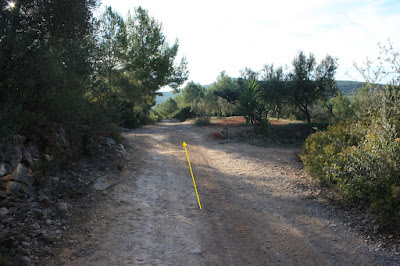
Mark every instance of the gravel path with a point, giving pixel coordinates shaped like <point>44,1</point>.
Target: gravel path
<point>251,215</point>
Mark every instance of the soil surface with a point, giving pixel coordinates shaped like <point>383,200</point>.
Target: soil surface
<point>252,213</point>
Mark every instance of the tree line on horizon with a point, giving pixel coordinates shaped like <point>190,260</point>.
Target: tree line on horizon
<point>307,92</point>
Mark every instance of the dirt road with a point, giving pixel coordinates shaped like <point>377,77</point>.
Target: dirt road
<point>251,215</point>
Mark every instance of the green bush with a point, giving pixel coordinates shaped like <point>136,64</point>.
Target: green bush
<point>361,160</point>
<point>167,109</point>
<point>263,127</point>
<point>202,121</point>
<point>152,117</point>
<point>321,148</point>
<point>184,113</point>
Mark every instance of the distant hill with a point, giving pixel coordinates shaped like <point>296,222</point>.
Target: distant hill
<point>349,88</point>
<point>166,95</point>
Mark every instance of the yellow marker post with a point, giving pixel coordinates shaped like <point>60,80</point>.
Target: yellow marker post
<point>190,167</point>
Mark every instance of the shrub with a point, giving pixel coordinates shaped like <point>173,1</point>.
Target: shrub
<point>167,109</point>
<point>202,121</point>
<point>322,147</point>
<point>263,127</point>
<point>152,117</point>
<point>184,113</point>
<point>361,160</point>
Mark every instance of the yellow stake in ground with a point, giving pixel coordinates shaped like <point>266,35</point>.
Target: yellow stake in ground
<point>190,167</point>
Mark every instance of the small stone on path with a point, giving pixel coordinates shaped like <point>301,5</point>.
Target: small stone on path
<point>195,251</point>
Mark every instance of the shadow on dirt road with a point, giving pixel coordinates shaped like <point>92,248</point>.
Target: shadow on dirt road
<point>250,216</point>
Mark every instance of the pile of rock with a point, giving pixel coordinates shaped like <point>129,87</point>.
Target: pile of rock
<point>109,142</point>
<point>34,212</point>
<point>16,162</point>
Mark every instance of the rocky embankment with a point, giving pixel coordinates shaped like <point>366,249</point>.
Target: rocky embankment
<point>36,204</point>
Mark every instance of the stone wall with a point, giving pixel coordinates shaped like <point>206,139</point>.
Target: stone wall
<point>16,163</point>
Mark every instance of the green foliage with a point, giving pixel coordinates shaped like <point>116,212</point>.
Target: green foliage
<point>44,63</point>
<point>274,88</point>
<point>263,127</point>
<point>152,117</point>
<point>349,88</point>
<point>341,107</point>
<point>364,98</point>
<point>110,130</point>
<point>202,121</point>
<point>321,111</point>
<point>197,101</point>
<point>361,160</point>
<point>167,109</point>
<point>226,88</point>
<point>251,106</point>
<point>163,96</point>
<point>193,92</point>
<point>310,82</point>
<point>134,62</point>
<point>322,148</point>
<point>184,113</point>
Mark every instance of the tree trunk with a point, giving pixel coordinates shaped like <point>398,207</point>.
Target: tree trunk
<point>278,112</point>
<point>308,116</point>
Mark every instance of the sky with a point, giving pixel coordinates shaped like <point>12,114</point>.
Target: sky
<point>222,35</point>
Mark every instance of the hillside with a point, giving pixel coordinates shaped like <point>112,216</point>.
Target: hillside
<point>349,88</point>
<point>166,95</point>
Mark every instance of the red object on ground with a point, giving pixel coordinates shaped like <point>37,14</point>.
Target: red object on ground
<point>217,135</point>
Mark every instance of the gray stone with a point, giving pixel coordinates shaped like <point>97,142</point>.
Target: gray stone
<point>62,206</point>
<point>26,157</point>
<point>33,150</point>
<point>24,260</point>
<point>4,211</point>
<point>13,210</point>
<point>5,168</point>
<point>30,179</point>
<point>121,149</point>
<point>52,236</point>
<point>195,251</point>
<point>11,155</point>
<point>102,184</point>
<point>110,142</point>
<point>34,226</point>
<point>20,173</point>
<point>21,250</point>
<point>30,191</point>
<point>12,187</point>
<point>62,139</point>
<point>73,242</point>
<point>25,244</point>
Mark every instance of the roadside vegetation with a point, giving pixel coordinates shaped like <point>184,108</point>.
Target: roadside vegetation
<point>60,66</point>
<point>355,148</point>
<point>359,157</point>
